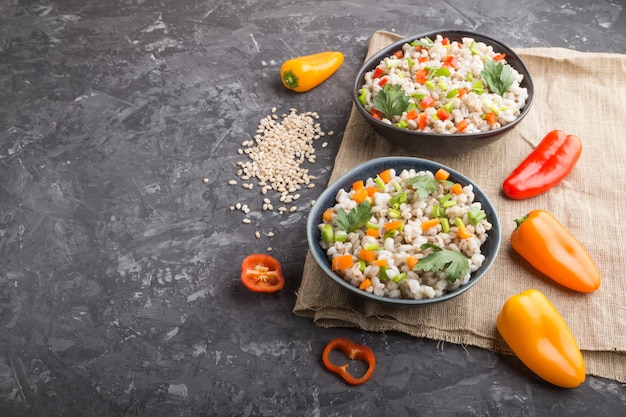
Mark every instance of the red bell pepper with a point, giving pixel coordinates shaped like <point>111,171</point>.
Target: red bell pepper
<point>442,114</point>
<point>262,273</point>
<point>427,102</point>
<point>546,166</point>
<point>450,62</point>
<point>352,351</point>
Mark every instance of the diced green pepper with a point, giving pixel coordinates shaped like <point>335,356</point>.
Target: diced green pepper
<point>478,88</point>
<point>445,224</point>
<point>452,93</point>
<point>400,277</point>
<point>362,96</point>
<point>476,215</point>
<point>327,233</point>
<point>340,236</point>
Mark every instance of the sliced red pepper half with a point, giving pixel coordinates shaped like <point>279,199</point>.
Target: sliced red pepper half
<point>354,352</point>
<point>262,273</point>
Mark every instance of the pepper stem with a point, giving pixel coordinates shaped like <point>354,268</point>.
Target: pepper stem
<point>290,79</point>
<point>521,220</point>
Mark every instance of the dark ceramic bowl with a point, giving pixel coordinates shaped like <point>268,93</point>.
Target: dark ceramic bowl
<point>434,143</point>
<point>368,169</point>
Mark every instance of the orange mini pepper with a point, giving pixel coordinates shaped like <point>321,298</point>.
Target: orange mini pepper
<point>549,247</point>
<point>352,351</point>
<point>306,72</point>
<point>537,334</point>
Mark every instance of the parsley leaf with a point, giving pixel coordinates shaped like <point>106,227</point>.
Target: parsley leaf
<point>391,100</point>
<point>354,219</point>
<point>499,77</point>
<point>424,185</point>
<point>454,263</point>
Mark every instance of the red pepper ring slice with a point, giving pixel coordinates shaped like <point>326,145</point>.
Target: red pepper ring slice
<point>352,351</point>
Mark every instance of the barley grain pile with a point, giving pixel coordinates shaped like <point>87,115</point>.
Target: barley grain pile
<point>276,157</point>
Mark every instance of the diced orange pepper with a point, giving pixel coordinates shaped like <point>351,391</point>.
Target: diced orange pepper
<point>430,223</point>
<point>365,283</point>
<point>411,261</point>
<point>360,195</point>
<point>385,175</point>
<point>372,232</point>
<point>393,225</point>
<point>461,126</point>
<point>371,191</point>
<point>423,121</point>
<point>456,189</point>
<point>342,262</point>
<point>367,255</point>
<point>442,174</point>
<point>412,115</point>
<point>328,214</point>
<point>421,76</point>
<point>464,232</point>
<point>380,262</point>
<point>357,185</point>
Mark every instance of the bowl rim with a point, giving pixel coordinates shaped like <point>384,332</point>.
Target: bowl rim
<point>384,52</point>
<point>393,161</point>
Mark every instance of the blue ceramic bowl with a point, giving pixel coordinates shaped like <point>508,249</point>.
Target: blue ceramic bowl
<point>428,143</point>
<point>370,168</point>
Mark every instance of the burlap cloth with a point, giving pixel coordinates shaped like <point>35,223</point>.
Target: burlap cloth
<point>580,93</point>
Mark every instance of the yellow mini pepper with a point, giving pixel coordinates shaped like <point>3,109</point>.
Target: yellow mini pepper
<point>537,334</point>
<point>306,72</point>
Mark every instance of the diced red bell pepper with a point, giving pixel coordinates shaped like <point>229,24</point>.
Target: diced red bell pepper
<point>427,102</point>
<point>442,114</point>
